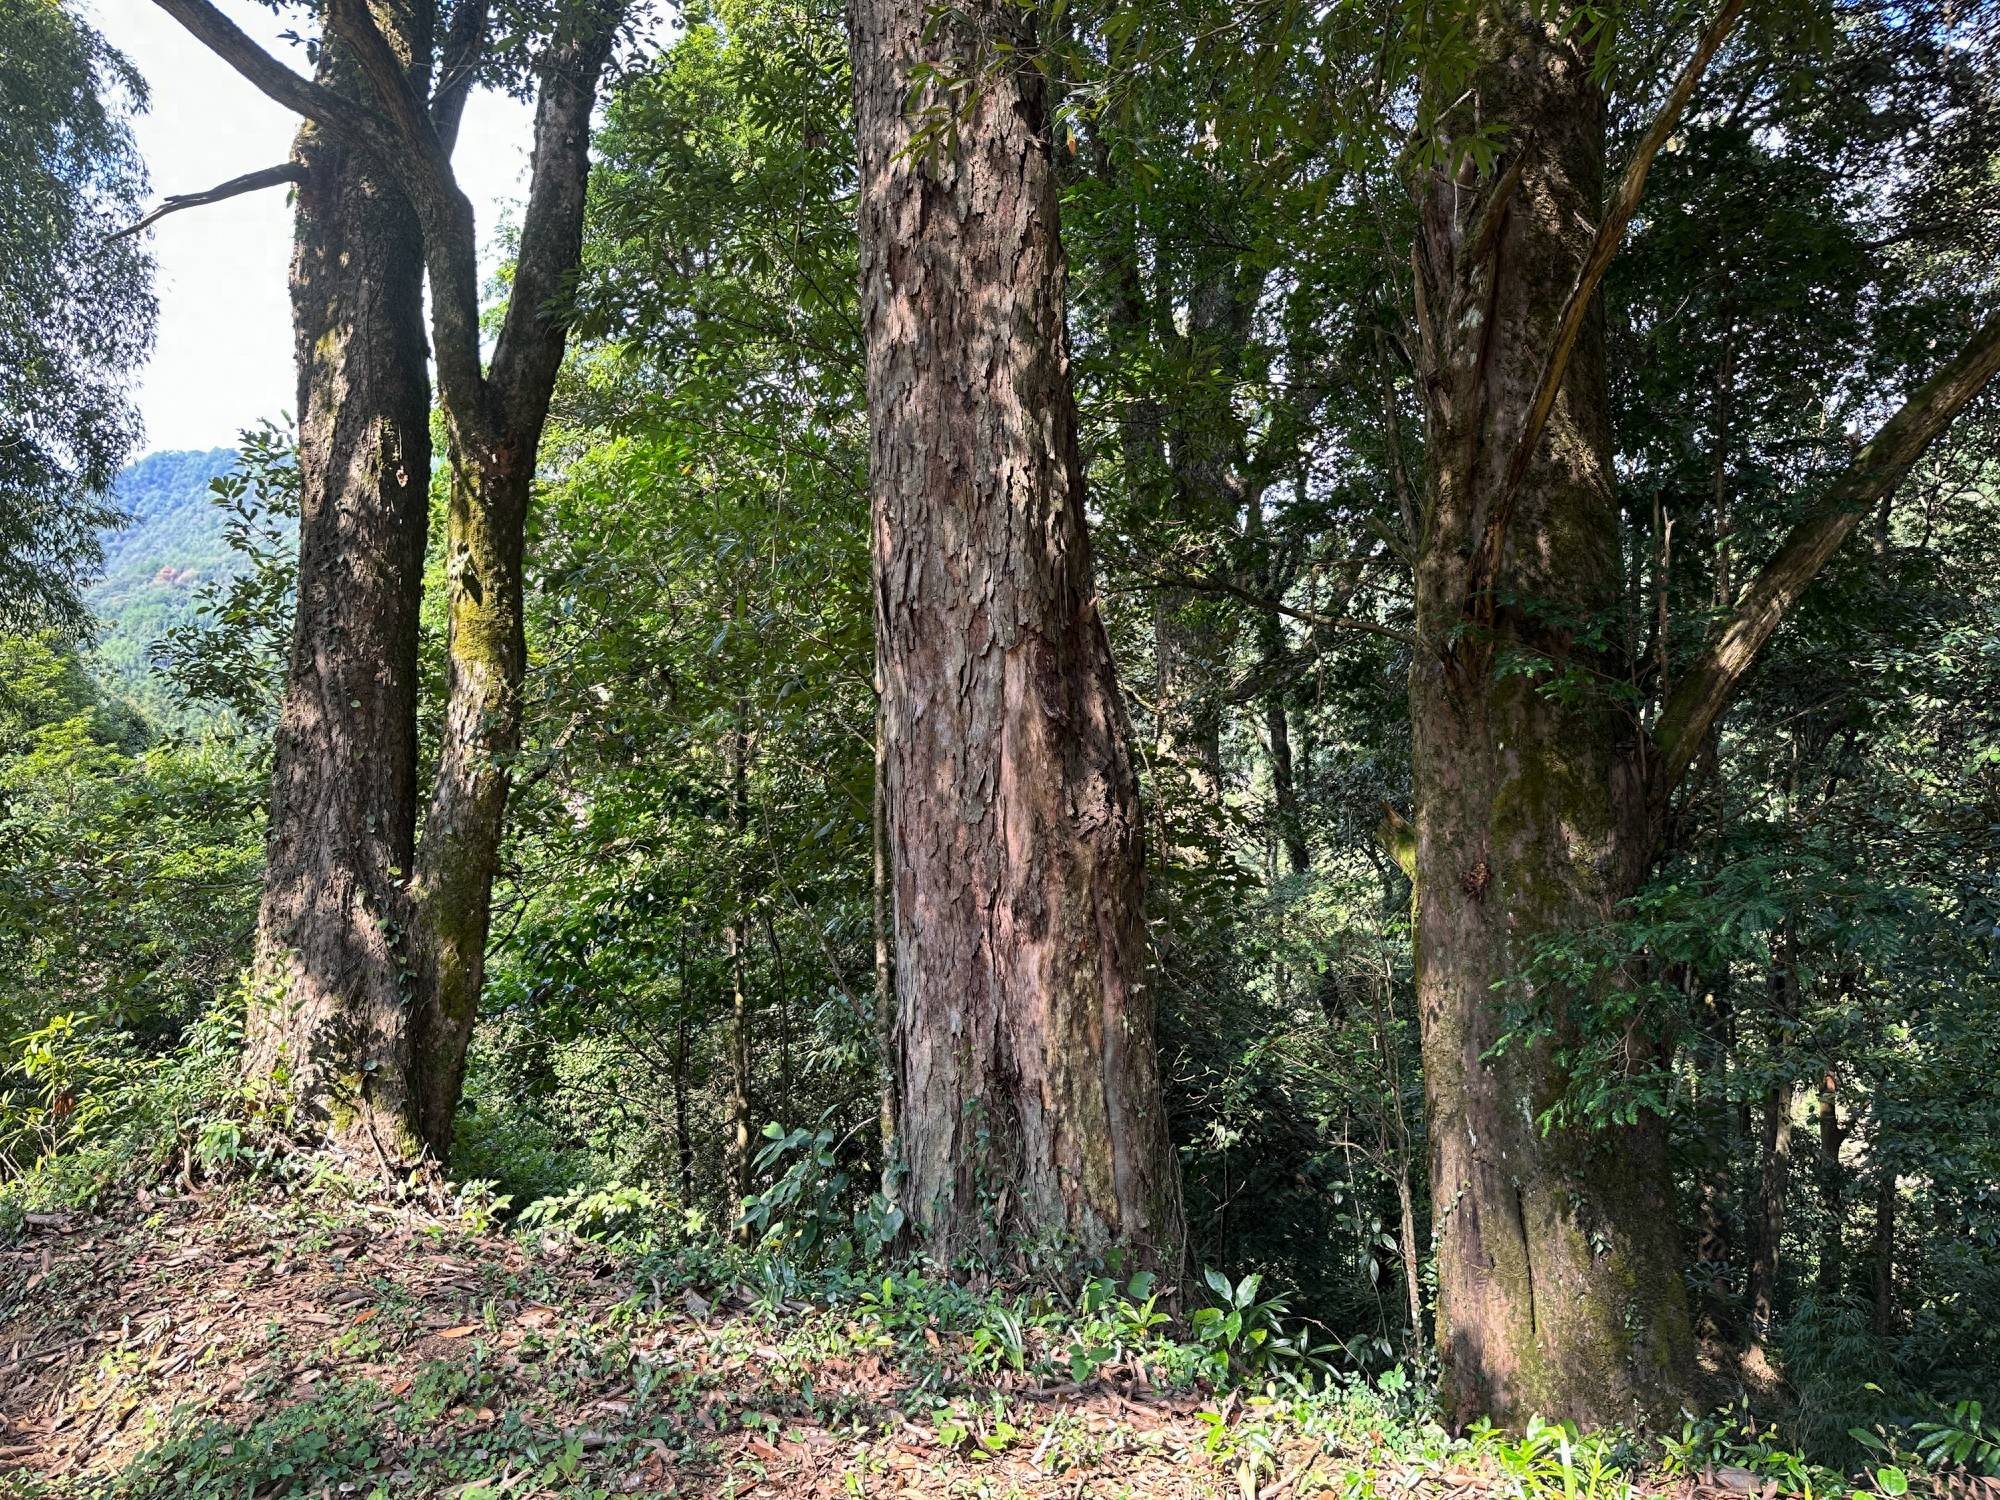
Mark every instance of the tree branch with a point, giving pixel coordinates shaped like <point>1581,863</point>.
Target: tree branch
<point>249,182</point>
<point>451,246</point>
<point>1706,692</point>
<point>1398,838</point>
<point>530,348</point>
<point>300,95</point>
<point>1279,607</point>
<point>1603,249</point>
<point>464,45</point>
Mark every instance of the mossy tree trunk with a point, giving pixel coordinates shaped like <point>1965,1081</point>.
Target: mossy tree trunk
<point>1540,797</point>
<point>1559,1287</point>
<point>494,413</point>
<point>327,1026</point>
<point>1031,1116</point>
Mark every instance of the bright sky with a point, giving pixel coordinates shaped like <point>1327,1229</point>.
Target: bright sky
<point>224,357</point>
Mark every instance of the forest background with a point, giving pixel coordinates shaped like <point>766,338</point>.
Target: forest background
<point>688,927</point>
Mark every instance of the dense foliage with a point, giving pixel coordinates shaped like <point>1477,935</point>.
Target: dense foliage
<point>76,313</point>
<point>681,1038</point>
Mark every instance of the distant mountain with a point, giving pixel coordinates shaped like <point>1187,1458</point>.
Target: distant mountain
<point>172,543</point>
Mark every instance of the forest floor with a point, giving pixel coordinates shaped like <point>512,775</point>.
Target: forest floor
<point>238,1343</point>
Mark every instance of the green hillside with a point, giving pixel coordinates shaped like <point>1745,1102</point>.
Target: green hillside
<point>172,543</point>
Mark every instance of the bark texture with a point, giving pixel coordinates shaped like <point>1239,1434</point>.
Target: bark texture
<point>494,414</point>
<point>1031,1117</point>
<point>1774,1179</point>
<point>1559,1285</point>
<point>329,1018</point>
<point>495,423</point>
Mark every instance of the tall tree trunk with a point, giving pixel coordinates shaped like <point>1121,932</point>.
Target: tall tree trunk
<point>1284,787</point>
<point>1832,1184</point>
<point>329,1011</point>
<point>735,939</point>
<point>495,421</point>
<point>459,857</point>
<point>683,1040</point>
<point>1031,1114</point>
<point>1883,1251</point>
<point>1559,1275</point>
<point>1767,1226</point>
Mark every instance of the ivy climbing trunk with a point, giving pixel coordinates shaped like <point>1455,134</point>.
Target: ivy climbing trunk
<point>327,1024</point>
<point>1558,1262</point>
<point>1031,1117</point>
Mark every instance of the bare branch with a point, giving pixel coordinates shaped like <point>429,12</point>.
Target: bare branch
<point>1603,248</point>
<point>300,95</point>
<point>1706,692</point>
<point>249,182</point>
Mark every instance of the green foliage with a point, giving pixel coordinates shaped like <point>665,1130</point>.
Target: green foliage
<point>93,1111</point>
<point>234,651</point>
<point>76,313</point>
<point>128,868</point>
<point>807,1212</point>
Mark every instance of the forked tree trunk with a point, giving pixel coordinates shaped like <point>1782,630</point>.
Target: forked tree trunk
<point>327,1025</point>
<point>1559,1276</point>
<point>496,423</point>
<point>1029,1083</point>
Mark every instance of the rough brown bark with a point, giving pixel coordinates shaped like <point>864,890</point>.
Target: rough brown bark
<point>327,1021</point>
<point>1031,1118</point>
<point>1559,1287</point>
<point>1538,813</point>
<point>494,415</point>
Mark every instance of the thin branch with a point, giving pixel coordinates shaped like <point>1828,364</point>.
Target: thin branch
<point>1610,235</point>
<point>1706,692</point>
<point>415,160</point>
<point>1279,607</point>
<point>249,182</point>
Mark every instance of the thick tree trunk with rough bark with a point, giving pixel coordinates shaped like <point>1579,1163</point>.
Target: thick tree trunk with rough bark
<point>1029,1083</point>
<point>1539,798</point>
<point>1559,1277</point>
<point>330,1007</point>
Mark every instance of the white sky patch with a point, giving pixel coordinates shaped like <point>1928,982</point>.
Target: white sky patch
<point>223,361</point>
